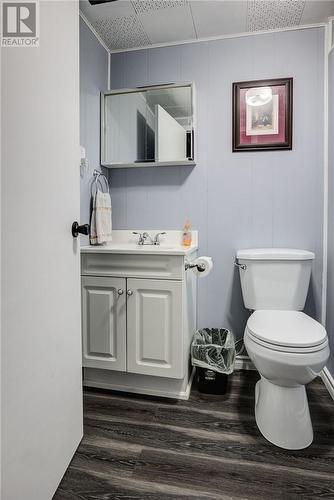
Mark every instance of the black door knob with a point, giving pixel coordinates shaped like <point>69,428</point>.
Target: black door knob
<point>76,229</point>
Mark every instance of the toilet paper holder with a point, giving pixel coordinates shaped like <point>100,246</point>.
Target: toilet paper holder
<point>200,267</point>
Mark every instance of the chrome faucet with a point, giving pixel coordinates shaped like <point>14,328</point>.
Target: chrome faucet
<point>146,239</point>
<point>142,238</point>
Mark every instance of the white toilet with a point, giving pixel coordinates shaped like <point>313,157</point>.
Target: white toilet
<point>288,348</point>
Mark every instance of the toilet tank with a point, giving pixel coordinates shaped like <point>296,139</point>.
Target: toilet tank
<point>274,278</point>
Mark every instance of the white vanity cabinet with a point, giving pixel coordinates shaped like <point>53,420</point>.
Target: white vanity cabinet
<point>154,328</point>
<point>104,322</point>
<point>138,318</point>
<point>132,325</point>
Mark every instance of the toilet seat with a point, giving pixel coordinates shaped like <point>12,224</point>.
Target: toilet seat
<point>287,331</point>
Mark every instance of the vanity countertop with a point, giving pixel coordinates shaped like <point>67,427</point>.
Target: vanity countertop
<point>140,249</point>
<point>127,243</point>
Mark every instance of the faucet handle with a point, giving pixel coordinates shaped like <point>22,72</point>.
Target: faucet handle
<point>157,238</point>
<point>141,237</point>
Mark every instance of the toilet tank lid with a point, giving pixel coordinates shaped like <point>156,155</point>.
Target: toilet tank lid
<point>275,254</point>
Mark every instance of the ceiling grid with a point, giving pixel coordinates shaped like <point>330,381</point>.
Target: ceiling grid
<point>128,24</point>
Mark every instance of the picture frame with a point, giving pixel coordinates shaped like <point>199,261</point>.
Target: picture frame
<point>262,115</point>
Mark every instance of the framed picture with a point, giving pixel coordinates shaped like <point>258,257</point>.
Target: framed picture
<point>262,115</point>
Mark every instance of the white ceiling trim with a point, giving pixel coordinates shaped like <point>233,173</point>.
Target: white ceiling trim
<point>198,40</point>
<point>220,37</point>
<point>93,30</point>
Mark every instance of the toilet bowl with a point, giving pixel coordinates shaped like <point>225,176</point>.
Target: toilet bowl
<point>289,349</point>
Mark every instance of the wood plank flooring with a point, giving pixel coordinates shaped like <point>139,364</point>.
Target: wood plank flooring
<point>209,447</point>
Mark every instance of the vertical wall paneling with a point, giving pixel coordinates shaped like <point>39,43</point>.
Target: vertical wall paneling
<point>93,80</point>
<point>235,200</point>
<point>330,274</point>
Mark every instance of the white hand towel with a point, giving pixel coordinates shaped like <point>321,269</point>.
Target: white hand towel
<point>101,227</point>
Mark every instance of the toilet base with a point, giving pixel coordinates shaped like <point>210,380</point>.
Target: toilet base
<point>282,415</point>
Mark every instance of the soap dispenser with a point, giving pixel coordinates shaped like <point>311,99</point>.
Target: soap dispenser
<point>186,236</point>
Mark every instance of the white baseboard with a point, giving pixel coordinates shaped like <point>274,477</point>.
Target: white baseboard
<point>139,384</point>
<point>328,380</point>
<point>243,363</point>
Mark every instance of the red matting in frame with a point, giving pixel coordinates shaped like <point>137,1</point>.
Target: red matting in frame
<point>279,90</point>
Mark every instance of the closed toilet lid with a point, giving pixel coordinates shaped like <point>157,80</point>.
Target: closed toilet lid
<point>286,328</point>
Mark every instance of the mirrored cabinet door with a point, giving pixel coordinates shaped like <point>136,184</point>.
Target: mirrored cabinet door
<point>149,126</point>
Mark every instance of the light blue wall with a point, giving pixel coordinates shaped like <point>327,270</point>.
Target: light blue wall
<point>330,277</point>
<point>93,80</point>
<point>235,200</point>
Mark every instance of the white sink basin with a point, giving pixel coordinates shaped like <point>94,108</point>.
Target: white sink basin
<point>127,243</point>
<point>155,247</point>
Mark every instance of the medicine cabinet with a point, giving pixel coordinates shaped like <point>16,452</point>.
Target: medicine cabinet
<point>148,126</point>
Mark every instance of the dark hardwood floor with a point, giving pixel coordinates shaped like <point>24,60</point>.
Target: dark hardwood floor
<point>206,448</point>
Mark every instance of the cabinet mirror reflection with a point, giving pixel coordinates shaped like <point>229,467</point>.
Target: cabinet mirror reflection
<point>148,126</point>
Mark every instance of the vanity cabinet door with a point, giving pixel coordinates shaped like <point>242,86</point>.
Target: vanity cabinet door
<point>104,323</point>
<point>154,327</point>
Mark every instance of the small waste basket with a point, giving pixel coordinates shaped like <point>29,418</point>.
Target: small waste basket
<point>213,355</point>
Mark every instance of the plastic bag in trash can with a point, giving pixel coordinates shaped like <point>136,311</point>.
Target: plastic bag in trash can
<point>213,348</point>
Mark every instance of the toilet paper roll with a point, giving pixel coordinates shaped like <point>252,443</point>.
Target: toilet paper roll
<point>203,265</point>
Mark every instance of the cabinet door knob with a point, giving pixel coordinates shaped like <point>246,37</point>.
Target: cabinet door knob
<point>120,291</point>
<point>129,292</point>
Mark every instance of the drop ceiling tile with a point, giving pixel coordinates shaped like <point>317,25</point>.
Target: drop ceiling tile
<point>215,18</point>
<point>122,32</point>
<point>317,11</point>
<point>168,25</point>
<point>273,14</point>
<point>149,5</point>
<point>126,24</point>
<point>110,10</point>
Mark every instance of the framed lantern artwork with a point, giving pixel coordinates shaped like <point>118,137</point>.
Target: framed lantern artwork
<point>262,115</point>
